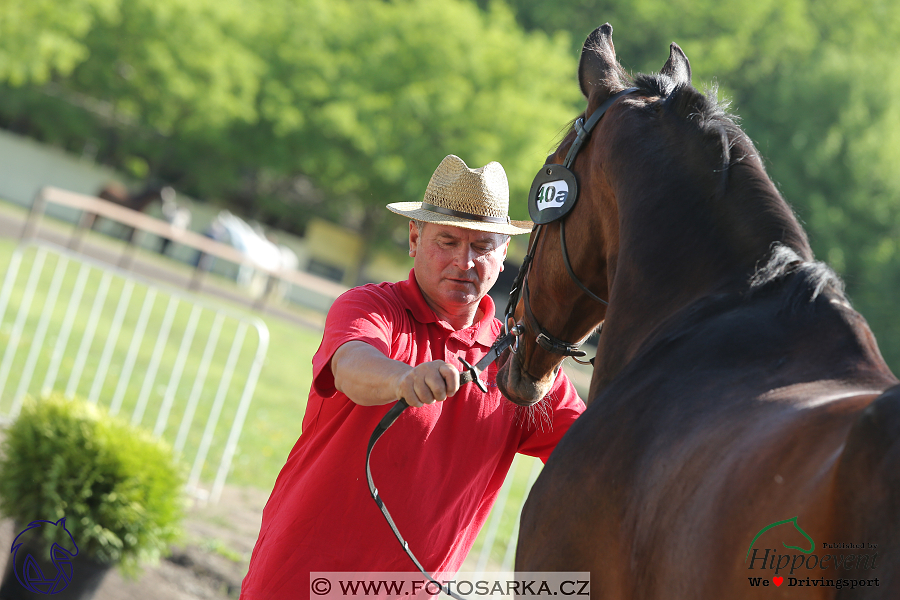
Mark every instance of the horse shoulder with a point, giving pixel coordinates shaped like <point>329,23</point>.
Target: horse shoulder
<point>868,486</point>
<point>568,522</point>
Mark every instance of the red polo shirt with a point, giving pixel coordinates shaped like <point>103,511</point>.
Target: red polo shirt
<point>438,468</point>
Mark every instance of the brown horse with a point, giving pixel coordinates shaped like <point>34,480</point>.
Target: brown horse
<point>743,429</point>
<point>118,194</point>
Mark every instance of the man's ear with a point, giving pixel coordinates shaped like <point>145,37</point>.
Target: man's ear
<point>413,239</point>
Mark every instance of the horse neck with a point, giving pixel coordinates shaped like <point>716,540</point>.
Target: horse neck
<point>675,250</point>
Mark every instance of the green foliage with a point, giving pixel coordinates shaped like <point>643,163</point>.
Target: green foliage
<point>238,99</point>
<point>41,37</point>
<point>118,488</point>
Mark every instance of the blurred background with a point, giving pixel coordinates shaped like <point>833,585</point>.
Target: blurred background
<point>305,117</point>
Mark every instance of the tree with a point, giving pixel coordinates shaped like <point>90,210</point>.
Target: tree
<point>42,37</point>
<point>368,97</point>
<point>240,100</point>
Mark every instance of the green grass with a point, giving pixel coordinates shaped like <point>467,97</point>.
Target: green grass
<point>273,421</point>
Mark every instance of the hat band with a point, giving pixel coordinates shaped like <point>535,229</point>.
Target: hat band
<point>464,215</point>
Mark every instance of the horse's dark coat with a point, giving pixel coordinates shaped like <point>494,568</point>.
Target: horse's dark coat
<point>734,385</point>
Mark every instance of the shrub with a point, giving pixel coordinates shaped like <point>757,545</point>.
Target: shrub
<point>118,487</point>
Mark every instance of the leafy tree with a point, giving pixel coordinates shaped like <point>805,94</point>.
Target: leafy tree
<point>42,37</point>
<point>390,88</point>
<point>141,76</point>
<point>244,101</point>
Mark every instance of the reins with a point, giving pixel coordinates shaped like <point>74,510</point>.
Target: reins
<point>472,374</point>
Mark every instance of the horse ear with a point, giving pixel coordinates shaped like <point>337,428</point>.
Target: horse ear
<point>677,67</point>
<point>598,66</point>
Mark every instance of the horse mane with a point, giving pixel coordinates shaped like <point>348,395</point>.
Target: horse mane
<point>709,114</point>
<point>806,280</point>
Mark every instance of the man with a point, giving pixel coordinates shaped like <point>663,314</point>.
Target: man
<point>440,466</point>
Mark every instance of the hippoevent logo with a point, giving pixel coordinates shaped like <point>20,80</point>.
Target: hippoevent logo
<point>33,571</point>
<point>805,567</point>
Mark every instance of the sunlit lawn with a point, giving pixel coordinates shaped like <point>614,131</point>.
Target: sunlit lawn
<point>274,417</point>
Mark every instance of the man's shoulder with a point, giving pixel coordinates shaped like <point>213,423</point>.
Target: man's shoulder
<point>373,301</point>
<point>385,291</point>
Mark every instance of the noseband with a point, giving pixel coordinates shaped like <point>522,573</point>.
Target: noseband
<point>556,211</point>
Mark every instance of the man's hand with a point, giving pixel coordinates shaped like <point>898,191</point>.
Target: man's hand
<point>369,378</point>
<point>428,383</point>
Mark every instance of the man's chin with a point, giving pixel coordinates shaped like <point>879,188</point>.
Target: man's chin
<point>462,293</point>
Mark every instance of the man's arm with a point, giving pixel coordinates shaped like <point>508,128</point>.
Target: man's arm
<point>369,378</point>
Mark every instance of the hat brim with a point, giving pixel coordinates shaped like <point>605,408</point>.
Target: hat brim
<point>414,211</point>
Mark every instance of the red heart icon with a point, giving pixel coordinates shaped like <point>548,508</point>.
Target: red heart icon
<point>777,581</point>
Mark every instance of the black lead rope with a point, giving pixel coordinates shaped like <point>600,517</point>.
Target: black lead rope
<point>386,422</point>
<point>470,374</point>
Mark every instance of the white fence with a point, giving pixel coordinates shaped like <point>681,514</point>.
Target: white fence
<point>183,369</point>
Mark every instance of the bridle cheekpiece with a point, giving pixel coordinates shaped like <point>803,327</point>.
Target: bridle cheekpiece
<point>553,194</point>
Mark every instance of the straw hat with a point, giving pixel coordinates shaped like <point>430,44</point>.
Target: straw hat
<point>468,198</point>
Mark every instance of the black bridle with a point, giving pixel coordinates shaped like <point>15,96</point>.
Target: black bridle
<point>544,338</point>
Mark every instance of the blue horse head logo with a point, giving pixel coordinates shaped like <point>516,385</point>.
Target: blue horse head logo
<point>33,572</point>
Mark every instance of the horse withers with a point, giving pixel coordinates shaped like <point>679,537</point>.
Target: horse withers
<point>742,428</point>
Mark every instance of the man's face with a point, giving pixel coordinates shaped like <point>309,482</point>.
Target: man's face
<point>455,267</point>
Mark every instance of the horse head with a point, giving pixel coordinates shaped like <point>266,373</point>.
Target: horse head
<point>589,242</point>
<point>671,204</point>
<point>117,193</point>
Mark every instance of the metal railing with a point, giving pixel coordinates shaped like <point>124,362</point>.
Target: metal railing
<point>185,369</point>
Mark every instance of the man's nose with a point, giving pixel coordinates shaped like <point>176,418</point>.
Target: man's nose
<point>465,258</point>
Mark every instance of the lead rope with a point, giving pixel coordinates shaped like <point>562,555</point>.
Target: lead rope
<point>386,421</point>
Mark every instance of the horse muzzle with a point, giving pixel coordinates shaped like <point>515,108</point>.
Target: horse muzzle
<point>518,386</point>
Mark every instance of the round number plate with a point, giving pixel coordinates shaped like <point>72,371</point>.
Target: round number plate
<point>553,194</point>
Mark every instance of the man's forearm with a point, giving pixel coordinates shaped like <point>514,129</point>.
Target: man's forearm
<point>365,375</point>
<point>369,378</point>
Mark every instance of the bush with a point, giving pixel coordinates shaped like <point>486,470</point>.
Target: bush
<point>118,487</point>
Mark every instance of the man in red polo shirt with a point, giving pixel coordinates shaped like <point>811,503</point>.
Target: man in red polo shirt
<point>441,465</point>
